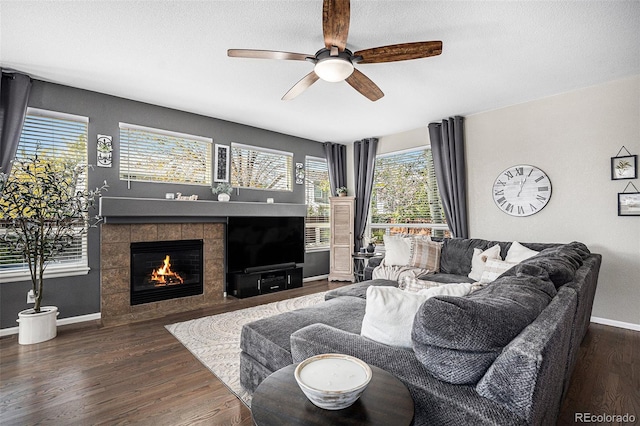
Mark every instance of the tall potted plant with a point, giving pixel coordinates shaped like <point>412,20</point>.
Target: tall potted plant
<point>44,207</point>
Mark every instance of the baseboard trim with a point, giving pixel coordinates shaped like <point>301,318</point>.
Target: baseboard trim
<point>316,278</point>
<point>614,323</point>
<point>63,321</point>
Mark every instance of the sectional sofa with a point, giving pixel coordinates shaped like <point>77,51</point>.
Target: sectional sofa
<point>503,354</point>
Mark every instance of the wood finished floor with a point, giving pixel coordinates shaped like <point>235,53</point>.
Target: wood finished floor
<point>140,374</point>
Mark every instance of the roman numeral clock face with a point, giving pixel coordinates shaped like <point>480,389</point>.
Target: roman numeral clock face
<point>522,190</point>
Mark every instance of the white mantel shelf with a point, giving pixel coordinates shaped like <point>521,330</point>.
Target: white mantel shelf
<point>138,210</point>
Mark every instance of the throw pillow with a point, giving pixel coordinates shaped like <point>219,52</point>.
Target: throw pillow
<point>480,258</point>
<point>425,254</point>
<point>397,250</point>
<point>413,285</point>
<point>493,268</point>
<point>389,312</point>
<point>517,253</point>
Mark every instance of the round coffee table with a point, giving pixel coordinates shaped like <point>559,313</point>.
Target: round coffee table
<point>279,401</point>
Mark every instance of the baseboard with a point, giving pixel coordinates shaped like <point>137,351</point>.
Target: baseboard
<point>316,278</point>
<point>614,323</point>
<point>63,321</point>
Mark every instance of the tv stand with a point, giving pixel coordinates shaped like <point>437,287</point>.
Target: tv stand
<point>249,284</point>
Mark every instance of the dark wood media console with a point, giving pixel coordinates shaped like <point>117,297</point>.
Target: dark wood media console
<point>243,285</point>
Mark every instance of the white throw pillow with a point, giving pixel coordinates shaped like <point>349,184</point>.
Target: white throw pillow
<point>493,268</point>
<point>388,316</point>
<point>389,313</point>
<point>479,258</point>
<point>517,253</point>
<point>397,250</point>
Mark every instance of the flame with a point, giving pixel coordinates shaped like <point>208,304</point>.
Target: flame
<point>163,275</point>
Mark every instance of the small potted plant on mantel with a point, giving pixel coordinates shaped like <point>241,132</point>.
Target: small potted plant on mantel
<point>43,211</point>
<point>342,191</point>
<point>223,190</point>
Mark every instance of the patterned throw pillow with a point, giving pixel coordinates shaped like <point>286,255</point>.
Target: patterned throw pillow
<point>425,254</point>
<point>493,268</point>
<point>414,285</point>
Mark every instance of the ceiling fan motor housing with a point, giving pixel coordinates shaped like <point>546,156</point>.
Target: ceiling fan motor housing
<point>333,67</point>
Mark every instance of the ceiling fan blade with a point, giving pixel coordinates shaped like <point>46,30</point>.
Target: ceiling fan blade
<point>364,85</point>
<point>335,23</point>
<point>301,86</point>
<point>400,52</point>
<point>266,54</point>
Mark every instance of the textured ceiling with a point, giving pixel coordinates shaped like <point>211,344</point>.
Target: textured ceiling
<point>173,53</point>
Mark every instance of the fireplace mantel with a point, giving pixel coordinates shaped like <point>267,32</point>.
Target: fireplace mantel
<point>137,210</point>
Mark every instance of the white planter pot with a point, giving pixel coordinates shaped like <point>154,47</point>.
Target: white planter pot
<point>36,328</point>
<point>224,197</point>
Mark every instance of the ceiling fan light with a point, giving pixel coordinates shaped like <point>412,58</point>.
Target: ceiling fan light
<point>333,69</point>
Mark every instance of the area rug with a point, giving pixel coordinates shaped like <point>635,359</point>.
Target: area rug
<point>215,340</point>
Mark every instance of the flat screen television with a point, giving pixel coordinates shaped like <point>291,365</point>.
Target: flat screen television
<point>257,243</point>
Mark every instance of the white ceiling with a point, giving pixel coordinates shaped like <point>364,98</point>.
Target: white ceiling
<point>173,53</point>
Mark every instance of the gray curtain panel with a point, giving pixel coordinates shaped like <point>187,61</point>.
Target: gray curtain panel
<point>364,155</point>
<point>447,147</point>
<point>14,94</point>
<point>336,155</point>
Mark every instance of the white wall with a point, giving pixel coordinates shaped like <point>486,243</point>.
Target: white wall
<point>572,137</point>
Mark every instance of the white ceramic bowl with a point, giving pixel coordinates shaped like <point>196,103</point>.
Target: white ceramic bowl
<point>333,381</point>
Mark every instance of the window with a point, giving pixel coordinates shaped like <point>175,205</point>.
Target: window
<point>154,155</point>
<point>405,196</point>
<point>59,138</point>
<point>317,191</point>
<point>261,168</point>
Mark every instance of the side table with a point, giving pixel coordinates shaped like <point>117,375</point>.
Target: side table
<point>279,401</point>
<point>360,261</point>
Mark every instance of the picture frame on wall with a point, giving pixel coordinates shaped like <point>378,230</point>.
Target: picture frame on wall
<point>625,167</point>
<point>221,163</point>
<point>629,204</point>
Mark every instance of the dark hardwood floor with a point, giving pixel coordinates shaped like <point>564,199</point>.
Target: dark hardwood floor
<point>141,374</point>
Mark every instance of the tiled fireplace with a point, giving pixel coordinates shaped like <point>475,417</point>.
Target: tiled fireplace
<point>115,277</point>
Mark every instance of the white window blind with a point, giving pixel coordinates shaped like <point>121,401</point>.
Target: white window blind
<point>261,168</point>
<point>59,138</point>
<point>154,155</point>
<point>405,196</point>
<point>317,191</point>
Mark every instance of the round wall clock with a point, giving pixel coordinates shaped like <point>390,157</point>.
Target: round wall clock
<point>522,190</point>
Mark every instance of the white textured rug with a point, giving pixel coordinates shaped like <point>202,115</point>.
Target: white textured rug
<point>215,340</point>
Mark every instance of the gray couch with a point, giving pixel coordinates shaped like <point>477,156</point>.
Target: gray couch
<point>502,355</point>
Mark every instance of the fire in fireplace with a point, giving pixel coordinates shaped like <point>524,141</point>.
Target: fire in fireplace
<point>162,270</point>
<point>165,276</point>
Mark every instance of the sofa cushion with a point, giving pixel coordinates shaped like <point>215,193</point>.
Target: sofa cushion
<point>267,340</point>
<point>358,289</point>
<point>447,278</point>
<point>457,253</point>
<point>457,338</point>
<point>560,262</point>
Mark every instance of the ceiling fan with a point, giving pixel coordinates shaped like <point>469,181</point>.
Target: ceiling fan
<point>335,62</point>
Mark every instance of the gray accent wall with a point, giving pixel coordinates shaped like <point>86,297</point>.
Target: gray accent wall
<point>80,295</point>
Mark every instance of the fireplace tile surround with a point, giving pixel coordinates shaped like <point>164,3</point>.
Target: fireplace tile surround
<point>115,269</point>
